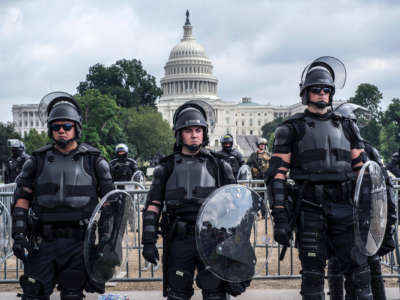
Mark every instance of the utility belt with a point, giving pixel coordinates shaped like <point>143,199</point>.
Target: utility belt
<point>181,229</point>
<point>338,192</point>
<point>50,232</point>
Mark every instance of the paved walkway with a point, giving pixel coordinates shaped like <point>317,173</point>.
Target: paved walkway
<point>253,294</point>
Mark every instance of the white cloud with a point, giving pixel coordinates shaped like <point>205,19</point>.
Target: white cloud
<point>258,48</point>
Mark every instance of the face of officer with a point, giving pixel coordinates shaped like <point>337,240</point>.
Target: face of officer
<point>192,135</point>
<point>319,94</point>
<point>261,147</point>
<point>63,131</point>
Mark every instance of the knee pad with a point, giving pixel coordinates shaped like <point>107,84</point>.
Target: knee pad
<point>375,265</point>
<point>313,278</point>
<point>71,283</point>
<point>180,284</point>
<point>32,288</point>
<point>177,296</point>
<point>208,281</point>
<point>214,295</point>
<point>312,285</point>
<point>361,278</point>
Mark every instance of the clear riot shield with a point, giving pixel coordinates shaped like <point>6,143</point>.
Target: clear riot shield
<point>211,118</point>
<point>370,208</point>
<point>333,65</point>
<point>5,233</point>
<point>223,230</point>
<point>244,173</point>
<point>106,245</point>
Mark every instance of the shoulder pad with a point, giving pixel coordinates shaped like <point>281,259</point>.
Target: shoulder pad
<point>113,160</point>
<point>215,154</point>
<point>159,171</point>
<point>297,116</point>
<point>168,157</point>
<point>132,160</point>
<point>82,148</point>
<point>208,152</point>
<point>43,149</point>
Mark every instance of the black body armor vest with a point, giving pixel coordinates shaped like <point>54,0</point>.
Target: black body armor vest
<point>231,159</point>
<point>189,184</point>
<point>323,153</point>
<point>122,169</point>
<point>65,191</point>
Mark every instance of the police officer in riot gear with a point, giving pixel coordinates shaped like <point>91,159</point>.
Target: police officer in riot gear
<point>181,183</point>
<point>15,161</point>
<point>394,164</point>
<point>231,155</point>
<point>59,186</point>
<point>349,110</point>
<point>323,152</point>
<point>259,160</point>
<point>122,167</point>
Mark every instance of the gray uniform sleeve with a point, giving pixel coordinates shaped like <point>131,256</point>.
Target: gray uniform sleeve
<point>104,178</point>
<point>26,180</point>
<point>284,138</point>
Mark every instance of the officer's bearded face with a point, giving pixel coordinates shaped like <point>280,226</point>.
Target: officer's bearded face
<point>192,135</point>
<point>261,147</point>
<point>317,94</point>
<point>62,133</point>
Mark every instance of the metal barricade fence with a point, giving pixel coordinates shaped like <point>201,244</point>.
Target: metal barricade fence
<point>269,267</point>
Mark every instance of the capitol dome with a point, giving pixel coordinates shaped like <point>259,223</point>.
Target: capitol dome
<point>188,72</point>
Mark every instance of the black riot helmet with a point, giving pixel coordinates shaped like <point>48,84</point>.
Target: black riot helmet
<point>121,148</point>
<point>187,115</point>
<point>324,71</point>
<point>17,147</point>
<point>227,142</point>
<point>61,106</point>
<point>357,113</point>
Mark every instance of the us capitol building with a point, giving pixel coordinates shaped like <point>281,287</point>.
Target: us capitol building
<point>189,76</point>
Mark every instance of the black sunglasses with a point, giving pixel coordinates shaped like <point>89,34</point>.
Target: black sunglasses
<point>317,90</point>
<point>66,127</point>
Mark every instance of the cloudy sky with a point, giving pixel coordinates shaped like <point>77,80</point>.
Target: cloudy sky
<point>258,48</point>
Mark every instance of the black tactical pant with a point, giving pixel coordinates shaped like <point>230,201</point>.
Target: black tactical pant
<point>326,222</point>
<point>183,259</point>
<point>56,259</point>
<point>336,280</point>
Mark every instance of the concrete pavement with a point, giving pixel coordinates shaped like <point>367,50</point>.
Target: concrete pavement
<point>251,294</point>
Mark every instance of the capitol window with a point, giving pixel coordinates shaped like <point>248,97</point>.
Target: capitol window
<point>242,122</point>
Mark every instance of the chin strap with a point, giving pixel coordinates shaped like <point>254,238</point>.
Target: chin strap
<point>64,143</point>
<point>319,104</point>
<point>193,148</point>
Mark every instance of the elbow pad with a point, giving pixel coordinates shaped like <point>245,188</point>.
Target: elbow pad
<point>278,193</point>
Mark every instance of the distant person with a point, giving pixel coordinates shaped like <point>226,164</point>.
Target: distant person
<point>15,161</point>
<point>230,154</point>
<point>122,167</point>
<point>259,160</point>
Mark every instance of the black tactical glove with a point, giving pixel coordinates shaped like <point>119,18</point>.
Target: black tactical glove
<point>388,244</point>
<point>236,288</point>
<point>19,231</point>
<point>150,253</point>
<point>282,232</point>
<point>21,246</point>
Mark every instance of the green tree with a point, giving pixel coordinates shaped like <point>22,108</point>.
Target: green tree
<point>35,140</point>
<point>147,132</point>
<point>390,133</point>
<point>369,96</point>
<point>126,80</point>
<point>6,132</point>
<point>101,121</point>
<point>270,127</point>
